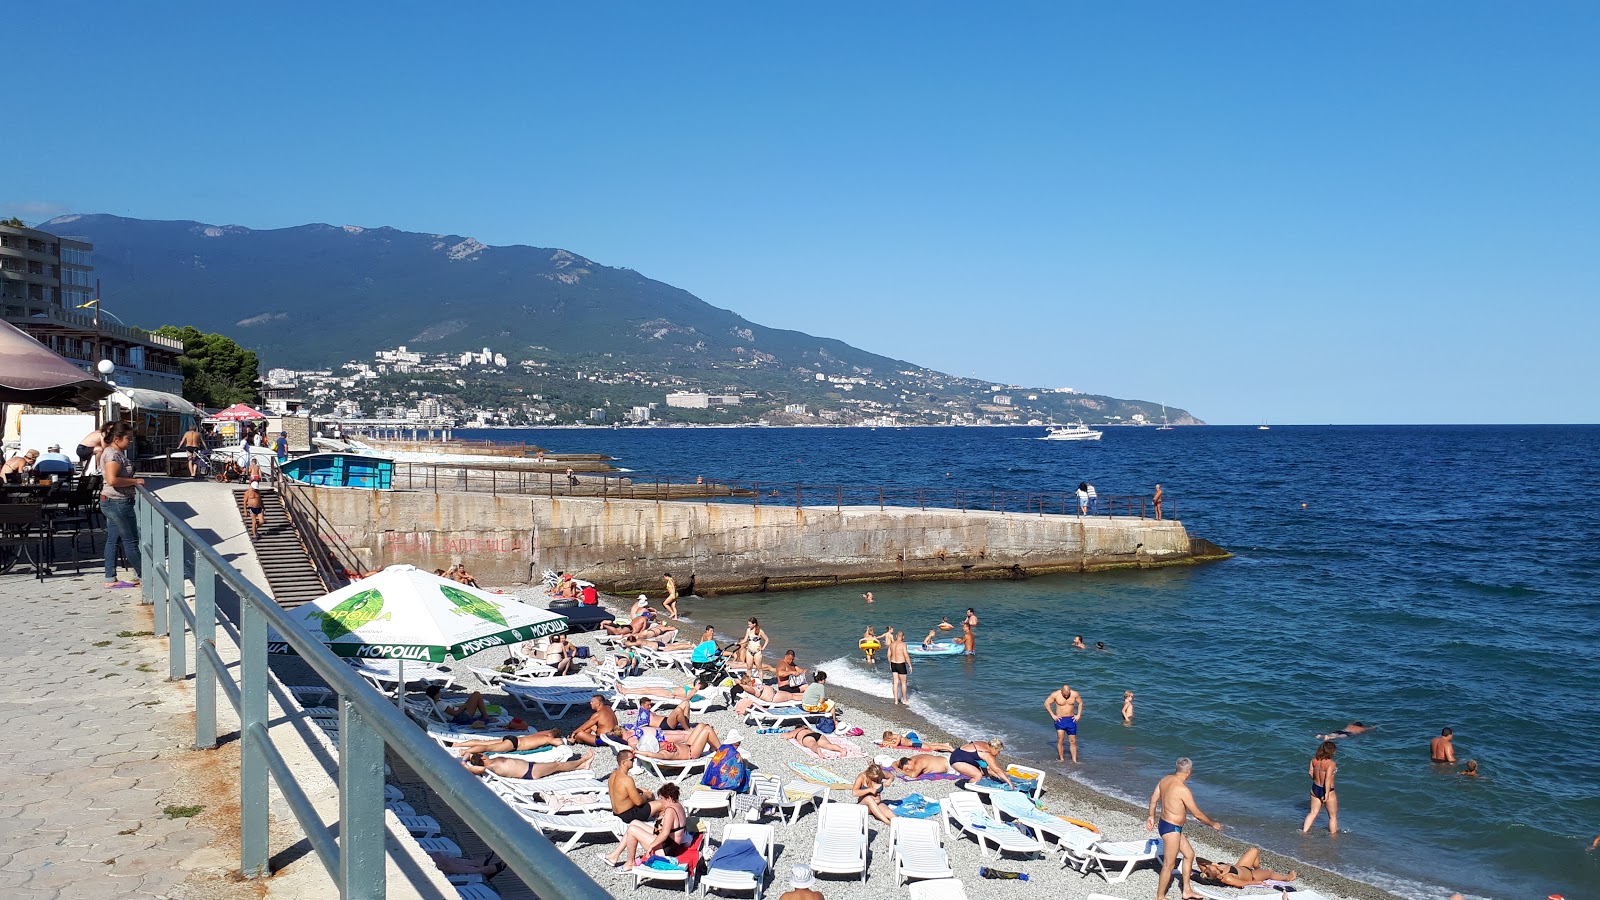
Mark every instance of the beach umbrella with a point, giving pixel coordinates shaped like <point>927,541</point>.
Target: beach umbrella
<point>32,373</point>
<point>404,613</point>
<point>238,413</point>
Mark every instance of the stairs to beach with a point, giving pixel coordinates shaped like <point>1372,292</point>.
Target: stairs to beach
<point>282,554</point>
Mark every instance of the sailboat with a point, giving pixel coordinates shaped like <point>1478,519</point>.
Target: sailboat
<point>1164,425</point>
<point>1263,427</point>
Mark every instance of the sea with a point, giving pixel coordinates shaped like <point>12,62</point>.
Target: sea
<point>1409,577</point>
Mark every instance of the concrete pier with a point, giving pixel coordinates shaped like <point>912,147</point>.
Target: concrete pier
<point>625,545</point>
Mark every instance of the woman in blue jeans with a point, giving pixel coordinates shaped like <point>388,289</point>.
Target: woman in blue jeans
<point>116,501</point>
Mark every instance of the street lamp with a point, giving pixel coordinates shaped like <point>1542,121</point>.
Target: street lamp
<point>106,367</point>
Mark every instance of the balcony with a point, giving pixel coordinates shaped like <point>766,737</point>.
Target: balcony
<point>33,314</point>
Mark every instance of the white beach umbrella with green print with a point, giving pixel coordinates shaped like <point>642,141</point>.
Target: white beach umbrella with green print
<point>404,613</point>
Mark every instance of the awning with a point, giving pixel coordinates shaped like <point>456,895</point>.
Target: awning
<point>32,373</point>
<point>143,398</point>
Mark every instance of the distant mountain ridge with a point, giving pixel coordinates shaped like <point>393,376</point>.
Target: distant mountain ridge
<point>315,296</point>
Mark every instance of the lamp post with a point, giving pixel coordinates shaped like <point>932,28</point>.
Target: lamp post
<point>106,367</point>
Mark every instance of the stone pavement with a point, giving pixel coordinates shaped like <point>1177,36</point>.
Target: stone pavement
<point>94,746</point>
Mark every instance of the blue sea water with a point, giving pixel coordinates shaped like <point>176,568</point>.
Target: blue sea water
<point>1408,577</point>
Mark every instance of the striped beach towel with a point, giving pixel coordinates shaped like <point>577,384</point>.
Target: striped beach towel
<point>819,775</point>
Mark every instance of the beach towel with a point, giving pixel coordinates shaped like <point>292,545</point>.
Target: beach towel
<point>818,775</point>
<point>914,806</point>
<point>739,855</point>
<point>823,753</point>
<point>1024,784</point>
<point>727,770</point>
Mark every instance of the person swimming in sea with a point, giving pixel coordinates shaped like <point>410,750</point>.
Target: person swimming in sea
<point>944,624</point>
<point>1351,730</point>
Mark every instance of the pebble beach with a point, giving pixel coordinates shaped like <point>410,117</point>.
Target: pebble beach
<point>772,754</point>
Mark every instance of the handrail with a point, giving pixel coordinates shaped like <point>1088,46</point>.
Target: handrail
<point>368,723</point>
<point>334,559</point>
<point>454,477</point>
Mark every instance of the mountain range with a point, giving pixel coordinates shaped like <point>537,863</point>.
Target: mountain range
<point>315,296</point>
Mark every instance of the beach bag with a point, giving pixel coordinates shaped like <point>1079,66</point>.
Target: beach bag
<point>582,653</point>
<point>727,770</point>
<point>825,726</point>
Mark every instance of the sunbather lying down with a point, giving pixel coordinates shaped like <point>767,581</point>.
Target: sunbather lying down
<point>1247,872</point>
<point>680,745</point>
<point>548,738</point>
<point>511,767</point>
<point>921,764</point>
<point>912,741</point>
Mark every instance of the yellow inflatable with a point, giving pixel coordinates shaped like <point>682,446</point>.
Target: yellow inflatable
<point>869,646</point>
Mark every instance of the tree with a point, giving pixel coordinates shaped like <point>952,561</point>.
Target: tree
<point>217,372</point>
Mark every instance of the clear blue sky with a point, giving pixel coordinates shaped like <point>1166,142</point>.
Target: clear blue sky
<point>1296,212</point>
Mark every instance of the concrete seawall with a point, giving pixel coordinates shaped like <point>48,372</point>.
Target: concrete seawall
<point>625,545</point>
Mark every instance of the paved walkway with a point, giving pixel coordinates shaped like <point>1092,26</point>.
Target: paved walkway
<point>95,748</point>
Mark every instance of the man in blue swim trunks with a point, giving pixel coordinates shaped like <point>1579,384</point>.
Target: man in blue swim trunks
<point>1066,708</point>
<point>1172,794</point>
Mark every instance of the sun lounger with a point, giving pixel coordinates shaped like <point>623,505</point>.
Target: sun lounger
<point>476,892</point>
<point>550,802</point>
<point>778,713</point>
<point>1032,785</point>
<point>544,699</point>
<point>965,812</point>
<point>580,826</point>
<point>840,847</point>
<point>940,889</point>
<point>918,850</point>
<point>791,799</point>
<point>578,781</point>
<point>439,845</point>
<point>728,879</point>
<point>674,769</point>
<point>641,874</point>
<point>1220,894</point>
<point>1052,829</point>
<point>703,801</point>
<point>420,826</point>
<point>384,674</point>
<point>1085,851</point>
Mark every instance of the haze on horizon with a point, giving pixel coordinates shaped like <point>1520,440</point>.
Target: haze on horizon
<point>1348,214</point>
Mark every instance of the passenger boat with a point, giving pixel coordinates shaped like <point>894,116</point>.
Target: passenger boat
<point>1075,432</point>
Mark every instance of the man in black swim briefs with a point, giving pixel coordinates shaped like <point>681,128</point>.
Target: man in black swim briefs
<point>628,802</point>
<point>899,666</point>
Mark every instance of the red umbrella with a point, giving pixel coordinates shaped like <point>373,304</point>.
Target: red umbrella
<point>30,372</point>
<point>237,413</point>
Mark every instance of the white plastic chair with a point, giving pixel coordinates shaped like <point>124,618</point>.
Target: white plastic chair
<point>773,792</point>
<point>840,847</point>
<point>727,880</point>
<point>918,850</point>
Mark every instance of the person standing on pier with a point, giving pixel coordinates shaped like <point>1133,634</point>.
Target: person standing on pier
<point>1157,501</point>
<point>899,667</point>
<point>1176,801</point>
<point>1094,500</point>
<point>1083,498</point>
<point>671,603</point>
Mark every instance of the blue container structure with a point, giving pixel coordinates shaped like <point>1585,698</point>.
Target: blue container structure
<point>342,470</point>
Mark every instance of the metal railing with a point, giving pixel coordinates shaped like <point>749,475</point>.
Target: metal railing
<point>336,563</point>
<point>445,477</point>
<point>356,858</point>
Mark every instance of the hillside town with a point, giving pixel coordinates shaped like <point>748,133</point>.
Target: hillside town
<point>487,388</point>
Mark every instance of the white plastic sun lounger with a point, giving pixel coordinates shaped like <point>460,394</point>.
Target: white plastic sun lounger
<point>939,889</point>
<point>551,803</point>
<point>995,790</point>
<point>966,812</point>
<point>530,698</point>
<point>580,826</point>
<point>780,712</point>
<point>1048,828</point>
<point>840,847</point>
<point>1219,894</point>
<point>674,769</point>
<point>578,781</point>
<point>789,799</point>
<point>728,880</point>
<point>1085,851</point>
<point>918,850</point>
<point>384,674</point>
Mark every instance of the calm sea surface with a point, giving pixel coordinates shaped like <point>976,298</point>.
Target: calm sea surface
<point>1408,577</point>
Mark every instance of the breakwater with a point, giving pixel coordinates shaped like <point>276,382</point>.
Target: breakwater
<point>626,545</point>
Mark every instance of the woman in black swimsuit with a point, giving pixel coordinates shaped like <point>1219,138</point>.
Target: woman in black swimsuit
<point>668,836</point>
<point>816,741</point>
<point>1247,872</point>
<point>1322,773</point>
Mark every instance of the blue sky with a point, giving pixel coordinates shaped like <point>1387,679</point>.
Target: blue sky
<point>1355,212</point>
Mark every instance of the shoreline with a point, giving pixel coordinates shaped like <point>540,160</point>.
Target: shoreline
<point>1113,813</point>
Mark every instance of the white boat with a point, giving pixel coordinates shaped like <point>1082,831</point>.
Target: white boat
<point>1164,425</point>
<point>1263,427</point>
<point>1077,432</point>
